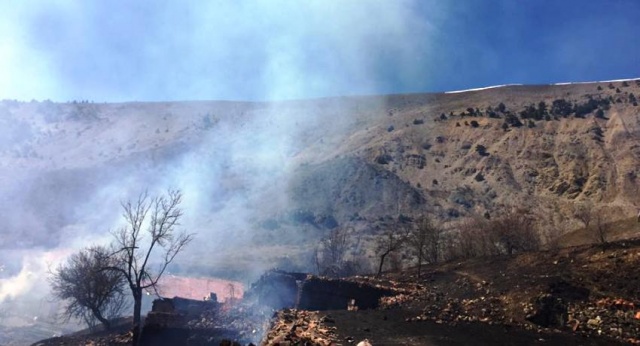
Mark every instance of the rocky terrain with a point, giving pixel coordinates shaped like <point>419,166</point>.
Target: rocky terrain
<point>338,160</point>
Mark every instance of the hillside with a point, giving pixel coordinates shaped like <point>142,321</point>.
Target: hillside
<point>345,159</point>
<point>264,182</point>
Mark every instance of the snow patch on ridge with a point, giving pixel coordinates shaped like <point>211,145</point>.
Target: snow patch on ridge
<point>478,89</point>
<point>600,81</point>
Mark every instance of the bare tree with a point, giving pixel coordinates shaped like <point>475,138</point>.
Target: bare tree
<point>584,213</point>
<point>474,237</point>
<point>331,253</point>
<point>133,247</point>
<point>391,240</point>
<point>91,293</point>
<point>425,241</point>
<point>601,228</point>
<point>515,231</point>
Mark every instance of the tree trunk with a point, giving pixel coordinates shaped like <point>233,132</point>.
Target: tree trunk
<point>137,308</point>
<point>419,265</point>
<point>382,262</point>
<point>105,322</point>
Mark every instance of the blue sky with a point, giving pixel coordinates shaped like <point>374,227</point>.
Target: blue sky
<point>148,50</point>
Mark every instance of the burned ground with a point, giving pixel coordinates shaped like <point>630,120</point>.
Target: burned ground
<point>585,295</point>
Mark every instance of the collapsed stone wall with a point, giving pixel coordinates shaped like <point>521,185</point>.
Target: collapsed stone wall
<point>335,294</point>
<point>174,312</point>
<point>277,289</point>
<point>280,290</point>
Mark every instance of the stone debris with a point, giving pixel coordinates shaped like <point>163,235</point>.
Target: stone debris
<point>300,327</point>
<point>364,342</point>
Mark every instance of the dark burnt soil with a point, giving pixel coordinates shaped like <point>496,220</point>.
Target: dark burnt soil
<point>390,327</point>
<point>578,295</point>
<point>588,295</point>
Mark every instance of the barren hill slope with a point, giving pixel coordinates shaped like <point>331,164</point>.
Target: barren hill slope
<point>273,169</point>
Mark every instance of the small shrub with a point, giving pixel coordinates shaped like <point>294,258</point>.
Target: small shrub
<point>482,150</point>
<point>384,159</point>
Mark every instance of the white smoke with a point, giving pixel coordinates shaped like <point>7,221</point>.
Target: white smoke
<point>66,50</point>
<point>265,50</point>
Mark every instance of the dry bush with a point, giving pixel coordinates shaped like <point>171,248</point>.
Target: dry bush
<point>390,241</point>
<point>91,294</point>
<point>473,238</point>
<point>513,231</point>
<point>425,242</point>
<point>331,257</point>
<point>602,227</point>
<point>584,212</point>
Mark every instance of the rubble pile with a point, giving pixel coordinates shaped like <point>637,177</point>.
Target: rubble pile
<point>300,327</point>
<point>617,318</point>
<point>247,320</point>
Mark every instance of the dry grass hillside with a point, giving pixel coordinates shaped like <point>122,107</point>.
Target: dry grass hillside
<point>265,182</point>
<point>296,168</point>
